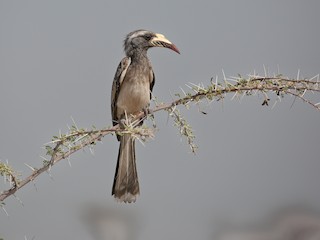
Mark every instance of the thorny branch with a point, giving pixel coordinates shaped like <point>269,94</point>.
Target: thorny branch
<point>63,146</point>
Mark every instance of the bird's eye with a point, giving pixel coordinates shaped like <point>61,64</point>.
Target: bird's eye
<point>148,37</point>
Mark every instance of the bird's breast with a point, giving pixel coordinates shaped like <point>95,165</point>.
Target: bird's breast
<point>134,94</point>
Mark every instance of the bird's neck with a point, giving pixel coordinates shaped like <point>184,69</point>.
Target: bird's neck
<point>138,55</point>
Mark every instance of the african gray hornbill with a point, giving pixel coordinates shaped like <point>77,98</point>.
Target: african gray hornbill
<point>131,93</point>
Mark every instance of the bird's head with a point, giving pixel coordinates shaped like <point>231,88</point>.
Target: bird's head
<point>143,40</point>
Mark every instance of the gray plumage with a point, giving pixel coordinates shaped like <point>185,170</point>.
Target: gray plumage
<point>131,93</point>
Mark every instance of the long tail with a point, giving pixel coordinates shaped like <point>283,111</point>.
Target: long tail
<point>126,185</point>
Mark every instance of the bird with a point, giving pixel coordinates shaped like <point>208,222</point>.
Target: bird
<point>131,93</point>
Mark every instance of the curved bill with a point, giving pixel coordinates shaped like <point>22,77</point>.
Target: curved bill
<point>161,41</point>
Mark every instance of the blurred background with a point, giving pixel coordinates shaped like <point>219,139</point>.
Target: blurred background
<point>256,173</point>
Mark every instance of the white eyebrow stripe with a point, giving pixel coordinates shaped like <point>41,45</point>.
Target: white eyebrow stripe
<point>137,34</point>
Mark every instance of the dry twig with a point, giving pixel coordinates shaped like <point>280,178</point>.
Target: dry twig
<point>63,146</point>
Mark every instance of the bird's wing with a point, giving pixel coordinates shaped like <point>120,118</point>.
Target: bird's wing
<point>116,85</point>
<point>152,82</point>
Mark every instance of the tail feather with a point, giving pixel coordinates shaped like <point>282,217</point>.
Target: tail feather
<point>126,185</point>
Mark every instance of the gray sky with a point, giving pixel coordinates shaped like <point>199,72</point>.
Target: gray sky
<point>58,59</point>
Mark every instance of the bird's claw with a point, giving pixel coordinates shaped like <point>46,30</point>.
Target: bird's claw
<point>123,122</point>
<point>146,111</point>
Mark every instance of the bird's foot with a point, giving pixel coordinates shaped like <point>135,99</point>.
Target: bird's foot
<point>123,122</point>
<point>147,111</point>
<point>148,114</point>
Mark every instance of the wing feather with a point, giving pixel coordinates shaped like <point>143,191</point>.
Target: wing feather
<point>152,82</point>
<point>116,86</point>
